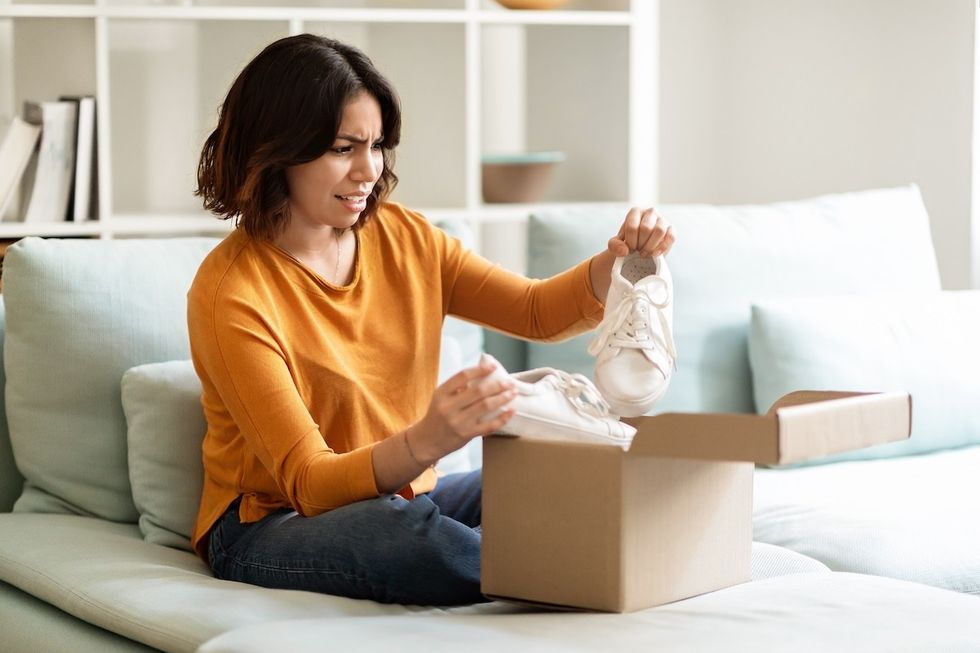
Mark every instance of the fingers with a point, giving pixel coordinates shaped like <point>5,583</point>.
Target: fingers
<point>666,243</point>
<point>486,427</point>
<point>643,231</point>
<point>462,379</point>
<point>617,246</point>
<point>477,396</point>
<point>478,410</point>
<point>487,413</point>
<point>471,395</point>
<point>630,231</point>
<point>472,402</point>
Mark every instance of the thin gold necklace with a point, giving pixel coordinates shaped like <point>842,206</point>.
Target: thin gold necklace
<point>336,270</point>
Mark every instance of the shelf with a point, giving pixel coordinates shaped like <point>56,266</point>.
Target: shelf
<point>329,14</point>
<point>201,222</point>
<point>198,223</point>
<point>554,18</point>
<point>487,80</point>
<point>51,229</point>
<point>497,213</point>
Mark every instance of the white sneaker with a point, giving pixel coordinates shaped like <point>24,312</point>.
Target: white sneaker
<point>555,405</point>
<point>634,347</point>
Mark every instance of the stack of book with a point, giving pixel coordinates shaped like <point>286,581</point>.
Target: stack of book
<point>48,169</point>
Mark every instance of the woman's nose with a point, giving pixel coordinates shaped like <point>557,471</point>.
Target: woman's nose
<point>367,166</point>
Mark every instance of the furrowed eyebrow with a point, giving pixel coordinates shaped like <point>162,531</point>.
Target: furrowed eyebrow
<point>354,139</point>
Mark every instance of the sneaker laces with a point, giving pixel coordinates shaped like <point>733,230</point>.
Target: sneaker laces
<point>628,326</point>
<point>580,391</point>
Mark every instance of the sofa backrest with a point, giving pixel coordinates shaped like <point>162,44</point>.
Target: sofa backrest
<point>79,314</point>
<point>728,258</point>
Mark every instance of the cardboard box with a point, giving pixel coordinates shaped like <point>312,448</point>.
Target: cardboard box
<point>596,527</point>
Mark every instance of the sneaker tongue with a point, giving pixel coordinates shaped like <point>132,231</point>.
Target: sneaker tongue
<point>655,288</point>
<point>581,392</point>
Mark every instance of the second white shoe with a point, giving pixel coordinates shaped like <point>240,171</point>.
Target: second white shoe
<point>555,405</point>
<point>634,347</point>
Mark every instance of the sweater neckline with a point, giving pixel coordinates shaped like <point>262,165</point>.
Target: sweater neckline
<point>301,274</point>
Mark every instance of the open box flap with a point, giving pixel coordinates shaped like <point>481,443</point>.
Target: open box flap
<point>799,426</point>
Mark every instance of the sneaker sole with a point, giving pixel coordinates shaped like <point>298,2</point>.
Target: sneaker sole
<point>548,429</point>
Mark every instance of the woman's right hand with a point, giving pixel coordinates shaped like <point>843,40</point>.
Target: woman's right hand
<point>469,404</point>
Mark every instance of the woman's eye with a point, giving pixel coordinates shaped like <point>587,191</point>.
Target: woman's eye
<point>343,149</point>
<point>378,146</point>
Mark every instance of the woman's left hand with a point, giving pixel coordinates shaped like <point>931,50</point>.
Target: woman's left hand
<point>643,231</point>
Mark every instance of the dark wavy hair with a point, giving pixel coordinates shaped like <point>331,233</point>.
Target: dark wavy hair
<point>285,109</point>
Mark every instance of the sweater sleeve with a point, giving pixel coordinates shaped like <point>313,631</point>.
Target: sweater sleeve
<point>547,310</point>
<point>238,353</point>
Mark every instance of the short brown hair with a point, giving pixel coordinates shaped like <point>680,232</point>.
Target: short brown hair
<point>285,109</point>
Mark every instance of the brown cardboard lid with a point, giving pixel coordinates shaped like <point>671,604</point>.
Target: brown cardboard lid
<point>801,425</point>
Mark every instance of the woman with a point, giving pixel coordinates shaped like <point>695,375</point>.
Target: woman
<point>315,327</point>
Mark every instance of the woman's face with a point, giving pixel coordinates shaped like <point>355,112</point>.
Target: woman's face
<point>332,191</point>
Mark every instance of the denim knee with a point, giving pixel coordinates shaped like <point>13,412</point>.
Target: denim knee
<point>439,558</point>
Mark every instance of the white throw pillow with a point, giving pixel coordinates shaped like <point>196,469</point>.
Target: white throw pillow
<point>924,343</point>
<point>165,428</point>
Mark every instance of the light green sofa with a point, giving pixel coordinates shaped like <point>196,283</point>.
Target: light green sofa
<point>83,511</point>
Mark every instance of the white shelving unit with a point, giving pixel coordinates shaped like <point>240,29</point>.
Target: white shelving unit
<point>584,83</point>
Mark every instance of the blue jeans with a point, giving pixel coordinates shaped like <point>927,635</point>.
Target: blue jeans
<point>425,551</point>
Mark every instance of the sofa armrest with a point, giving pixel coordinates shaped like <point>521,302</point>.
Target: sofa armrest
<point>11,482</point>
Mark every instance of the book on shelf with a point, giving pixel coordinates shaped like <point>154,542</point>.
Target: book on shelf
<point>48,182</point>
<point>16,149</point>
<point>83,199</point>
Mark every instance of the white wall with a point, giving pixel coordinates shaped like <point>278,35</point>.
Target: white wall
<point>766,100</point>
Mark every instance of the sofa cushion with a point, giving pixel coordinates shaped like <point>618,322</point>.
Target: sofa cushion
<point>156,595</point>
<point>107,575</point>
<point>769,561</point>
<point>808,613</point>
<point>79,314</point>
<point>25,620</point>
<point>165,428</point>
<point>924,344</point>
<point>912,518</point>
<point>729,257</point>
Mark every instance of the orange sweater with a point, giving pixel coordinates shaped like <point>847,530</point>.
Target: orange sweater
<point>302,378</point>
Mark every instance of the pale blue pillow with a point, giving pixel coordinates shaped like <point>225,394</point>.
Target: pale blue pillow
<point>729,257</point>
<point>923,343</point>
<point>80,312</point>
<point>462,344</point>
<point>165,429</point>
<point>466,338</point>
<point>557,240</point>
